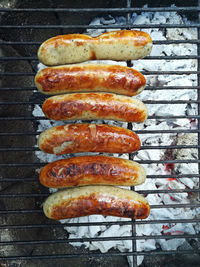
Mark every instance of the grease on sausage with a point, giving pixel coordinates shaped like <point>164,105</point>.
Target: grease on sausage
<point>91,170</point>
<point>76,138</point>
<point>114,45</point>
<point>104,200</point>
<point>94,106</point>
<point>86,77</point>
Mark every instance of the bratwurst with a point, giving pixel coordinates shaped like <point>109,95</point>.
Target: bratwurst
<point>76,138</point>
<point>91,170</point>
<point>114,45</point>
<point>94,106</point>
<point>90,78</point>
<point>88,200</point>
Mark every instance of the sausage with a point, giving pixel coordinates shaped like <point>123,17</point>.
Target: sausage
<point>85,78</point>
<point>88,200</point>
<point>114,45</point>
<point>94,106</point>
<point>75,138</point>
<point>91,170</point>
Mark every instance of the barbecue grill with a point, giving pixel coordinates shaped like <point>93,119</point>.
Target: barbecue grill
<point>27,237</point>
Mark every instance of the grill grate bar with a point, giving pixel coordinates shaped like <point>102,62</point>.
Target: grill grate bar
<point>110,26</point>
<point>176,176</point>
<point>146,88</point>
<point>146,58</point>
<point>110,254</point>
<point>72,240</point>
<point>198,93</point>
<point>17,149</point>
<point>143,72</point>
<point>106,10</point>
<point>139,161</point>
<point>137,131</point>
<point>30,226</point>
<point>155,42</point>
<point>174,191</point>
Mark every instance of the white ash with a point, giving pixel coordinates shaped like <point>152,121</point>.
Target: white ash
<point>151,139</point>
<point>182,154</point>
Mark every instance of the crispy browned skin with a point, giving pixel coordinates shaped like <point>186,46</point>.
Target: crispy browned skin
<point>104,200</point>
<point>114,45</point>
<point>75,138</point>
<point>88,170</point>
<point>85,78</point>
<point>94,106</point>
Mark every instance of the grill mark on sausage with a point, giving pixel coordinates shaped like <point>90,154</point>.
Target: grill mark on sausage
<point>93,55</point>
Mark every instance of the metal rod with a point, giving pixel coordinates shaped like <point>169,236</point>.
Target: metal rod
<point>17,149</point>
<point>72,240</point>
<point>176,176</point>
<point>30,226</point>
<point>198,92</point>
<point>155,42</point>
<point>107,254</point>
<point>158,191</point>
<point>149,117</point>
<point>146,58</point>
<point>106,10</point>
<point>188,161</point>
<point>146,88</point>
<point>143,72</point>
<point>110,26</point>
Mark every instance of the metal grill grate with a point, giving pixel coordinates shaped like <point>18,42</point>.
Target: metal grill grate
<point>19,182</point>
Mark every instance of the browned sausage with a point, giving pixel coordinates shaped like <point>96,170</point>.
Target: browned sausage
<point>114,45</point>
<point>75,138</point>
<point>104,200</point>
<point>85,78</point>
<point>91,170</point>
<point>94,106</point>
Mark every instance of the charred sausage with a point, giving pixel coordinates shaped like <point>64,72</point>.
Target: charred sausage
<point>75,138</point>
<point>91,170</point>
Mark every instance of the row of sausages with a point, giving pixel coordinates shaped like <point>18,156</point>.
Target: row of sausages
<point>93,92</point>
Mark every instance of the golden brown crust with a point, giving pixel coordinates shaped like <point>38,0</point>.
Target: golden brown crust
<point>85,78</point>
<point>91,170</point>
<point>94,106</point>
<point>114,45</point>
<point>104,200</point>
<point>75,138</point>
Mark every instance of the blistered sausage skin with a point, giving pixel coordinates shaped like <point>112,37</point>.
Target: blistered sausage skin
<point>114,45</point>
<point>88,200</point>
<point>91,170</point>
<point>75,138</point>
<point>86,77</point>
<point>94,106</point>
